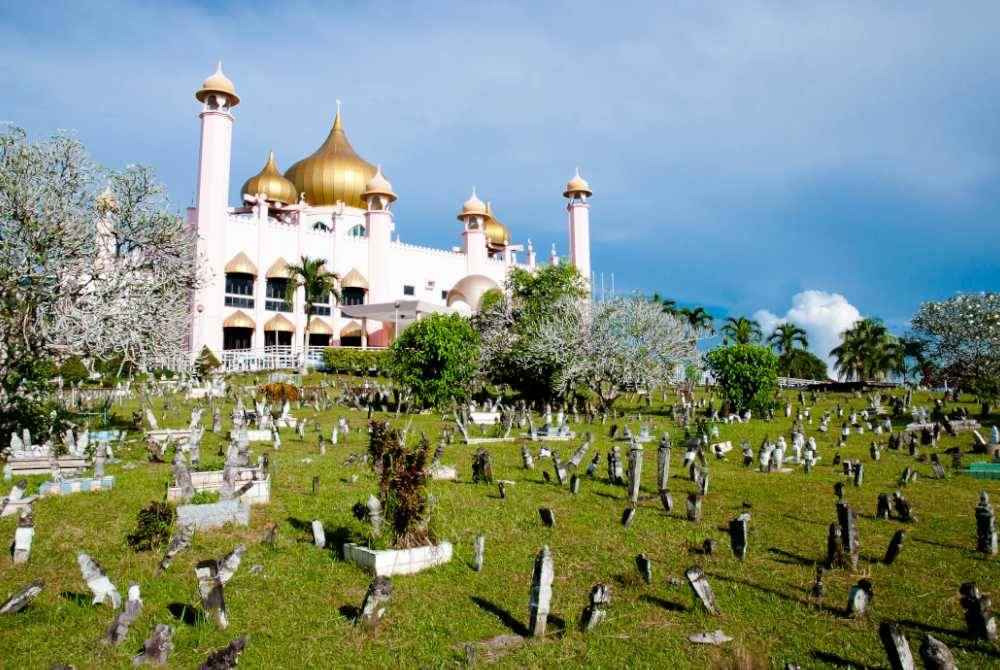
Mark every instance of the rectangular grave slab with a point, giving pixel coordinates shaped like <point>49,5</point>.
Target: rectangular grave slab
<point>214,515</point>
<point>389,562</point>
<point>81,485</point>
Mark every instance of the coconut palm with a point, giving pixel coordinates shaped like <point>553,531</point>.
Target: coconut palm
<point>698,320</point>
<point>868,351</point>
<point>317,283</point>
<point>669,306</point>
<point>786,336</point>
<point>740,330</point>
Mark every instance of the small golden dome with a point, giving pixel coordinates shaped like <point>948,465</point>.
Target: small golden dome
<point>379,185</point>
<point>496,233</point>
<point>218,83</point>
<point>333,173</point>
<point>270,182</point>
<point>577,186</point>
<point>473,206</point>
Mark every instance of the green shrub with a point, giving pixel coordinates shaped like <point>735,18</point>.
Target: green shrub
<point>206,362</point>
<point>746,373</point>
<point>205,498</point>
<point>153,529</point>
<point>73,371</point>
<point>802,364</point>
<point>402,473</point>
<point>355,361</point>
<point>436,357</point>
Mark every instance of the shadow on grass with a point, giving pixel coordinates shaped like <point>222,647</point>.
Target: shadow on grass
<point>835,611</point>
<point>792,559</point>
<point>665,604</point>
<point>801,520</point>
<point>77,597</point>
<point>505,617</point>
<point>839,661</point>
<point>941,544</point>
<point>299,524</point>
<point>185,613</point>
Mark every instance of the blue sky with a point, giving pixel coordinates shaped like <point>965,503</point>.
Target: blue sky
<point>741,153</point>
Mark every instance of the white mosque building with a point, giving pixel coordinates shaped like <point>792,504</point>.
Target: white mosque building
<point>336,206</point>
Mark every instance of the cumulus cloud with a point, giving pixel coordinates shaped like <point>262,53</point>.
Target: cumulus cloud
<point>824,316</point>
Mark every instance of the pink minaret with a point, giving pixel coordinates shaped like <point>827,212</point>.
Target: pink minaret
<point>577,191</point>
<point>378,196</point>
<point>474,235</point>
<point>218,97</point>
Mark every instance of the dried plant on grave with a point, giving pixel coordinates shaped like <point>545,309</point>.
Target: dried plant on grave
<point>402,473</point>
<point>154,525</point>
<point>277,393</point>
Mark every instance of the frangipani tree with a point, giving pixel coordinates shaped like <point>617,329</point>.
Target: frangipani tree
<point>609,346</point>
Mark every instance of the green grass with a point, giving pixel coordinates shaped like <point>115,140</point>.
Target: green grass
<point>299,610</point>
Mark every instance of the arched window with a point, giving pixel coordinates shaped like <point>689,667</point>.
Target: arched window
<point>357,231</point>
<point>321,226</point>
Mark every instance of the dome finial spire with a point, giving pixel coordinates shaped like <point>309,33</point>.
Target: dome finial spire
<point>337,123</point>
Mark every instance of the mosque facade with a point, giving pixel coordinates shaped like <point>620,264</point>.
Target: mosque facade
<point>336,206</point>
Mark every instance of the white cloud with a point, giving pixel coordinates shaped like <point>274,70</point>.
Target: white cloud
<point>824,316</point>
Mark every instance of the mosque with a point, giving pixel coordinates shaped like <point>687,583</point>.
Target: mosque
<point>336,206</point>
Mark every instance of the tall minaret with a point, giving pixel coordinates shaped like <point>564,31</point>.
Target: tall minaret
<point>474,236</point>
<point>378,196</point>
<point>577,191</point>
<point>218,97</point>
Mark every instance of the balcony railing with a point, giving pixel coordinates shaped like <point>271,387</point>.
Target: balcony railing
<point>276,357</point>
<point>277,305</point>
<point>239,301</point>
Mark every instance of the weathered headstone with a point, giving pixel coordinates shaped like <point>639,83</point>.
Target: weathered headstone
<point>20,600</point>
<point>212,577</point>
<point>541,592</point>
<point>157,647</point>
<point>739,535</point>
<point>594,613</point>
<point>986,526</point>
<point>120,625</point>
<point>634,471</point>
<point>849,533</point>
<point>667,500</point>
<point>374,510</point>
<point>180,540</point>
<point>548,516</point>
<point>226,657</point>
<point>858,598</point>
<point>895,546</point>
<point>479,550</point>
<point>628,516</point>
<point>694,506</point>
<point>702,589</point>
<point>319,535</point>
<point>373,607</point>
<point>663,463</point>
<point>897,648</point>
<point>23,535</point>
<point>936,655</point>
<point>97,580</point>
<point>645,567</point>
<point>883,508</point>
<point>978,608</point>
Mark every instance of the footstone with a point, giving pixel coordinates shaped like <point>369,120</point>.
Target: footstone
<point>702,590</point>
<point>319,535</point>
<point>883,509</point>
<point>895,546</point>
<point>986,526</point>
<point>20,600</point>
<point>548,516</point>
<point>157,647</point>
<point>373,607</point>
<point>667,500</point>
<point>227,657</point>
<point>645,567</point>
<point>859,598</point>
<point>897,648</point>
<point>849,533</point>
<point>978,608</point>
<point>124,619</point>
<point>574,484</point>
<point>479,549</point>
<point>694,506</point>
<point>936,655</point>
<point>97,580</point>
<point>595,612</point>
<point>23,535</point>
<point>628,516</point>
<point>541,592</point>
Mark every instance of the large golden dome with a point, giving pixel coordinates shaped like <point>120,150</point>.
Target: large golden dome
<point>496,233</point>
<point>335,172</point>
<point>270,182</point>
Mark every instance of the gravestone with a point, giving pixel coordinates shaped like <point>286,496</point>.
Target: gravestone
<point>574,484</point>
<point>702,589</point>
<point>634,471</point>
<point>548,516</point>
<point>663,463</point>
<point>482,467</point>
<point>124,619</point>
<point>180,540</point>
<point>226,657</point>
<point>97,581</point>
<point>23,535</point>
<point>739,535</point>
<point>849,532</point>
<point>319,535</point>
<point>373,510</point>
<point>986,526</point>
<point>979,619</point>
<point>667,500</point>
<point>212,577</point>
<point>479,549</point>
<point>818,588</point>
<point>541,592</point>
<point>903,508</point>
<point>645,567</point>
<point>858,598</point>
<point>694,506</point>
<point>897,648</point>
<point>835,547</point>
<point>20,600</point>
<point>373,606</point>
<point>595,612</point>
<point>936,655</point>
<point>628,516</point>
<point>883,508</point>
<point>157,647</point>
<point>895,546</point>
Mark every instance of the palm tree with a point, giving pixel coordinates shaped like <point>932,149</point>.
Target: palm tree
<point>317,284</point>
<point>868,351</point>
<point>698,320</point>
<point>786,336</point>
<point>669,306</point>
<point>740,330</point>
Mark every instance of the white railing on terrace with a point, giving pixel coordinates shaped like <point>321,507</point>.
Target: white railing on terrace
<point>276,357</point>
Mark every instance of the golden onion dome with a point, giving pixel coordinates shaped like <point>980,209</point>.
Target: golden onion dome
<point>473,206</point>
<point>218,83</point>
<point>379,185</point>
<point>496,232</point>
<point>271,183</point>
<point>333,173</point>
<point>576,186</point>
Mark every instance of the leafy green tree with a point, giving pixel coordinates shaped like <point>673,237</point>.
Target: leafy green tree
<point>73,371</point>
<point>787,337</point>
<point>206,362</point>
<point>746,373</point>
<point>740,330</point>
<point>317,283</point>
<point>698,320</point>
<point>436,357</point>
<point>802,364</point>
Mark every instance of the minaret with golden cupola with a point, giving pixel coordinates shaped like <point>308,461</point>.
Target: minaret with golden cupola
<point>218,98</point>
<point>577,192</point>
<point>378,197</point>
<point>474,217</point>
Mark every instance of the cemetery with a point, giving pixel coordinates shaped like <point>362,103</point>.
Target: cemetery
<point>808,549</point>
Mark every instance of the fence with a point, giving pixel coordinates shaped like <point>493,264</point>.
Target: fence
<point>277,357</point>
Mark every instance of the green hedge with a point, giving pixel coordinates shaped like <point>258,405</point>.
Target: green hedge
<point>356,361</point>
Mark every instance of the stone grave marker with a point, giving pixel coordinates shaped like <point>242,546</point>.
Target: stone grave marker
<point>212,577</point>
<point>120,625</point>
<point>897,648</point>
<point>157,647</point>
<point>979,619</point>
<point>226,657</point>
<point>20,600</point>
<point>97,581</point>
<point>373,607</point>
<point>936,655</point>
<point>702,589</point>
<point>858,598</point>
<point>541,592</point>
<point>595,612</point>
<point>895,546</point>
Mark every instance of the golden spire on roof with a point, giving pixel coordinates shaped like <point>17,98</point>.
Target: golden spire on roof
<point>218,83</point>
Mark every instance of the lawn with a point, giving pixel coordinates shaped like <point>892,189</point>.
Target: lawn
<point>299,609</point>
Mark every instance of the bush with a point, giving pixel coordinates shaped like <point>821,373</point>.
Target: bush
<point>206,362</point>
<point>355,361</point>
<point>802,364</point>
<point>73,371</point>
<point>746,373</point>
<point>436,357</point>
<point>402,474</point>
<point>153,529</point>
